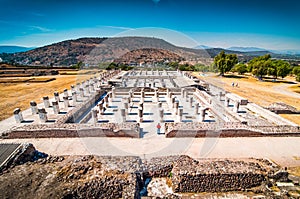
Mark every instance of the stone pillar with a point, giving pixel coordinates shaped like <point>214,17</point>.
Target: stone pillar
<point>77,87</point>
<point>182,92</point>
<point>227,100</point>
<point>113,90</point>
<point>43,115</point>
<point>220,95</point>
<point>140,113</point>
<point>159,104</point>
<point>74,98</point>
<point>161,115</point>
<point>55,106</point>
<point>18,115</point>
<point>33,107</point>
<point>72,88</point>
<point>100,105</point>
<point>123,114</point>
<point>173,101</point>
<point>66,93</point>
<point>106,101</point>
<point>191,102</point>
<point>180,115</point>
<point>187,96</point>
<point>168,93</point>
<point>196,108</point>
<point>126,106</point>
<point>236,106</point>
<point>110,98</point>
<point>202,114</point>
<point>46,102</point>
<point>176,108</point>
<point>56,96</point>
<point>81,92</point>
<point>87,90</point>
<point>66,102</point>
<point>95,115</point>
<point>155,96</point>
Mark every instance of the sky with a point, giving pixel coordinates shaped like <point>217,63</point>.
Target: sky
<point>218,23</point>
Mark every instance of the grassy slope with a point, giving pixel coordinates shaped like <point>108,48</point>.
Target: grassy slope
<point>18,95</point>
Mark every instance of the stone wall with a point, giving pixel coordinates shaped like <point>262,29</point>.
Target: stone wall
<point>74,130</point>
<point>229,129</point>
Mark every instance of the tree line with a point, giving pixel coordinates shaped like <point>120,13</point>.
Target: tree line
<point>258,66</point>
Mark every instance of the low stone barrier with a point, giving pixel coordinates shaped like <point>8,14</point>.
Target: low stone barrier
<point>131,130</point>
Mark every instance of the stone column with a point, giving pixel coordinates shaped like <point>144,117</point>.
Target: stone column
<point>66,93</point>
<point>182,92</point>
<point>173,101</point>
<point>161,115</point>
<point>187,95</point>
<point>106,101</point>
<point>159,104</point>
<point>180,115</point>
<point>43,115</point>
<point>196,108</point>
<point>123,114</point>
<point>56,96</point>
<point>100,105</point>
<point>191,102</point>
<point>72,88</point>
<point>66,102</point>
<point>236,106</point>
<point>55,106</point>
<point>18,115</point>
<point>220,95</point>
<point>95,115</point>
<point>176,108</point>
<point>227,100</point>
<point>126,107</point>
<point>81,92</point>
<point>33,107</point>
<point>87,90</point>
<point>113,90</point>
<point>74,98</point>
<point>202,114</point>
<point>46,102</point>
<point>77,87</point>
<point>110,97</point>
<point>140,113</point>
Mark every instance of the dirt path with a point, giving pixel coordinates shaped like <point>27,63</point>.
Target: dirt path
<point>283,89</point>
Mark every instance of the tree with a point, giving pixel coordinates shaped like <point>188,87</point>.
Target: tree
<point>240,68</point>
<point>258,66</point>
<point>225,62</point>
<point>296,71</point>
<point>283,68</point>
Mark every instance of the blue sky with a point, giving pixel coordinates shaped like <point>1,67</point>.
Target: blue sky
<point>220,23</point>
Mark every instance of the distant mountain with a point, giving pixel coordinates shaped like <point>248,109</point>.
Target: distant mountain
<point>246,49</point>
<point>14,49</point>
<point>202,47</point>
<point>92,51</point>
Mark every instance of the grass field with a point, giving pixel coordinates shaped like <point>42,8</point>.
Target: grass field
<point>18,95</point>
<point>262,93</point>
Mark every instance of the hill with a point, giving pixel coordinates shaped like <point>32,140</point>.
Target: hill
<point>92,51</point>
<point>148,56</point>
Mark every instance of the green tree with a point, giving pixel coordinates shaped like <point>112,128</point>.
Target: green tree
<point>240,68</point>
<point>258,66</point>
<point>283,68</point>
<point>296,72</point>
<point>225,62</point>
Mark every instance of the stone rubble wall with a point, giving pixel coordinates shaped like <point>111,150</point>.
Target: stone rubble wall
<point>229,129</point>
<point>74,130</point>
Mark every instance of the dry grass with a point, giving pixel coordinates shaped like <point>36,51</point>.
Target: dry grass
<point>294,171</point>
<point>262,93</point>
<point>295,88</point>
<point>18,95</point>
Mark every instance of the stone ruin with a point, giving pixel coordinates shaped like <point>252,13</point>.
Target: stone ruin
<point>131,104</point>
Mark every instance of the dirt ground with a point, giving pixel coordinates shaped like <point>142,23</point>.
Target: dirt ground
<point>262,93</point>
<point>18,95</point>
